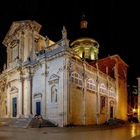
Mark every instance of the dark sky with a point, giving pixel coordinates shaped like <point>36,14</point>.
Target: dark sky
<point>113,23</point>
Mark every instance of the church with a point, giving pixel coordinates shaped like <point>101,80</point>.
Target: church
<point>66,83</point>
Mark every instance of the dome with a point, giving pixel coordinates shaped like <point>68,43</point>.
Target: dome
<point>86,48</point>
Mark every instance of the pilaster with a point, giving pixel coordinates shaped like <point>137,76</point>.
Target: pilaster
<point>27,104</point>
<point>8,102</point>
<point>20,99</point>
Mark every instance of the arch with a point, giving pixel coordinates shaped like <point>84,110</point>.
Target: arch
<point>111,110</point>
<point>112,92</point>
<point>91,84</point>
<point>103,88</point>
<point>76,78</point>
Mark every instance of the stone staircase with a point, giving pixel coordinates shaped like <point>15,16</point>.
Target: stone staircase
<point>35,123</point>
<point>20,122</point>
<point>5,121</point>
<point>26,122</point>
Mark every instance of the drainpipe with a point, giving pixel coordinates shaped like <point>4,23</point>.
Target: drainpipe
<point>107,108</point>
<point>84,94</point>
<point>97,95</point>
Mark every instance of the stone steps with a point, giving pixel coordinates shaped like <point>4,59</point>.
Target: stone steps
<point>35,123</point>
<point>26,122</point>
<point>20,122</point>
<point>5,121</point>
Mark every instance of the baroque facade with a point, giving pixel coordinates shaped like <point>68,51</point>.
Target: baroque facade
<point>57,80</point>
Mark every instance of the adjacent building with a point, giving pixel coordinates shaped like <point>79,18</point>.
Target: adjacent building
<point>138,98</point>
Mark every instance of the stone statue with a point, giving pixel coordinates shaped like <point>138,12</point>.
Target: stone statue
<point>64,33</point>
<point>4,67</point>
<point>53,94</point>
<point>47,41</point>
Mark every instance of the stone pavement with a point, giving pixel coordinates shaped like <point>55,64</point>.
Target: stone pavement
<point>12,133</point>
<point>49,133</point>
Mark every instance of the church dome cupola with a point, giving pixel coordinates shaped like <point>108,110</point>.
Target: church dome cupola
<point>83,23</point>
<point>87,48</point>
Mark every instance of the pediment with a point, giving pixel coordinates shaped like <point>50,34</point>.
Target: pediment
<point>13,89</point>
<point>38,95</point>
<point>19,26</point>
<point>54,77</point>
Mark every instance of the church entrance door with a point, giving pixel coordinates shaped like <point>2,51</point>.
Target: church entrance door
<point>38,108</point>
<point>14,107</point>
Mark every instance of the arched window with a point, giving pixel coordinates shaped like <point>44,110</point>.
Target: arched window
<point>103,88</point>
<point>76,78</point>
<point>112,92</point>
<point>91,85</point>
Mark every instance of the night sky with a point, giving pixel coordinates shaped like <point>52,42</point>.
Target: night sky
<point>113,23</point>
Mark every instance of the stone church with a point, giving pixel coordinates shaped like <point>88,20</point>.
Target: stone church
<point>64,82</point>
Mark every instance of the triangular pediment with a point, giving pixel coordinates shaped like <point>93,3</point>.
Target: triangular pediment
<point>14,89</point>
<point>53,77</point>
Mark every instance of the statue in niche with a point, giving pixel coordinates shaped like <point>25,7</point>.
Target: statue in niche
<point>53,94</point>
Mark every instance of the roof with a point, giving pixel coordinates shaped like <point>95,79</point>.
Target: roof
<point>108,64</point>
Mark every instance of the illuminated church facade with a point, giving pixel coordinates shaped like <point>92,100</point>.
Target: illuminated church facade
<point>65,83</point>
